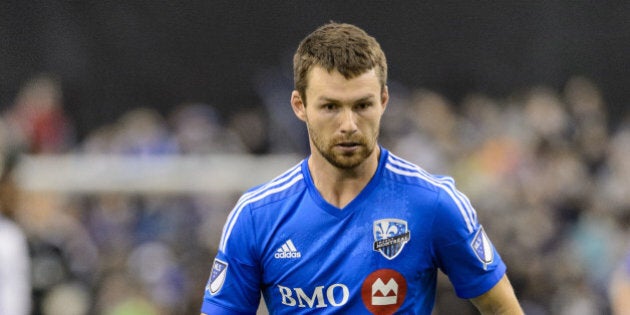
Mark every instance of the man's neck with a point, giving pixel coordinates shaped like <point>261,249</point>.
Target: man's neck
<point>340,186</point>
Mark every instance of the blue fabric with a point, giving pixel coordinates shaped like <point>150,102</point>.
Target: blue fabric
<point>380,253</point>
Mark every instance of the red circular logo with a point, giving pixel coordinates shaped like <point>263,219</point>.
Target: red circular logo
<point>384,291</point>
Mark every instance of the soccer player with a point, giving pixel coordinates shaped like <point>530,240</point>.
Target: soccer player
<point>352,229</point>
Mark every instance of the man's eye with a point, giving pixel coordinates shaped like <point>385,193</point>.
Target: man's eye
<point>329,106</point>
<point>364,105</point>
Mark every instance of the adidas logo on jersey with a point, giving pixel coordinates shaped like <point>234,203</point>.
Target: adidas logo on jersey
<point>287,250</point>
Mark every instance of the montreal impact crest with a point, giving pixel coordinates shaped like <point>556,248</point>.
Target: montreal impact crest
<point>390,236</point>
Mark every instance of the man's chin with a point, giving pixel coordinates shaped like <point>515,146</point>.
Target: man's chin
<point>346,162</point>
<point>346,159</point>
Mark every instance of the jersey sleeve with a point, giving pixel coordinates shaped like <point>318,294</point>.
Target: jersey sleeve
<point>234,284</point>
<point>461,247</point>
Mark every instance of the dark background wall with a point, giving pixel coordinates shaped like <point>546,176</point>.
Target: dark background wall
<point>115,55</point>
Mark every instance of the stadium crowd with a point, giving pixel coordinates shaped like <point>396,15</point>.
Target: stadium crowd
<point>547,171</point>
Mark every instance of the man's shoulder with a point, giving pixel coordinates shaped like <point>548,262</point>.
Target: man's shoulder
<point>403,172</point>
<point>282,186</point>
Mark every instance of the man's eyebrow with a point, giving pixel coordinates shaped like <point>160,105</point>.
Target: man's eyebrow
<point>333,100</point>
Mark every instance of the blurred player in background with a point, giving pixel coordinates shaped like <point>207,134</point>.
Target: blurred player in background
<point>352,229</point>
<point>15,281</point>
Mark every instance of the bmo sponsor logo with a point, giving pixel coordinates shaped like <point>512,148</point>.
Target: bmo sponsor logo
<point>322,296</point>
<point>383,291</point>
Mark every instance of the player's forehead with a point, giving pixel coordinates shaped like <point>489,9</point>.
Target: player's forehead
<point>332,85</point>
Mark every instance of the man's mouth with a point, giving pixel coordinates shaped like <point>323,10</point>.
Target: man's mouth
<point>348,144</point>
<point>348,147</point>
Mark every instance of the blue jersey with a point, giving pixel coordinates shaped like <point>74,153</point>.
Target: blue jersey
<point>378,255</point>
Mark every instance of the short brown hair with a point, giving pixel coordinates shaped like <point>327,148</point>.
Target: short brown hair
<point>338,46</point>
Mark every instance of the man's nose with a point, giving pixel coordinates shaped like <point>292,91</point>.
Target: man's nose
<point>348,121</point>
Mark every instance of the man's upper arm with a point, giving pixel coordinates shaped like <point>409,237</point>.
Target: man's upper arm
<point>619,290</point>
<point>498,300</point>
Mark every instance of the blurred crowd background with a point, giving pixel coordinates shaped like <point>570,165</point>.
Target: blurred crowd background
<point>549,175</point>
<point>540,144</point>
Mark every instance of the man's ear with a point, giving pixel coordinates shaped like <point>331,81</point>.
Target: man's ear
<point>384,97</point>
<point>299,108</point>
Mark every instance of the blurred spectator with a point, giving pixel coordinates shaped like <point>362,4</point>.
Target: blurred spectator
<point>284,132</point>
<point>67,299</point>
<point>37,120</point>
<point>252,129</point>
<point>62,252</point>
<point>119,295</point>
<point>143,132</point>
<point>590,121</point>
<point>15,283</point>
<point>433,142</point>
<point>613,181</point>
<point>198,129</point>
